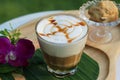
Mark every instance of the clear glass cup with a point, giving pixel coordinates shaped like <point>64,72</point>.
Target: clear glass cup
<point>99,32</point>
<point>62,65</point>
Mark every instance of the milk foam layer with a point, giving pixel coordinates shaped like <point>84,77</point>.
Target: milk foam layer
<point>61,29</point>
<point>67,33</point>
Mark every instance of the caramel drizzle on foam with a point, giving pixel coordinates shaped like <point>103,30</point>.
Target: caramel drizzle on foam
<point>63,30</point>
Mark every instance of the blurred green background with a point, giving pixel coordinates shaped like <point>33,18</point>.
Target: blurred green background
<point>10,9</point>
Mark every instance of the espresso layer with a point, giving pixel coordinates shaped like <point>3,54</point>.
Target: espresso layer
<point>58,63</point>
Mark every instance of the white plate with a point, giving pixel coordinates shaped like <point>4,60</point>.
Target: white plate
<point>24,19</point>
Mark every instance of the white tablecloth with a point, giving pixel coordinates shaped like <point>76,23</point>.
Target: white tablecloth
<point>24,19</point>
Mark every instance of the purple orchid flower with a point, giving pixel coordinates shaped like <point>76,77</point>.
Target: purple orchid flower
<point>18,54</point>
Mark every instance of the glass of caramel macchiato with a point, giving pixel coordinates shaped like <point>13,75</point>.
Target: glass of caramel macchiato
<point>62,38</point>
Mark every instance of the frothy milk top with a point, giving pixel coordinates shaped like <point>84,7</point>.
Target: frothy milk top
<point>61,29</point>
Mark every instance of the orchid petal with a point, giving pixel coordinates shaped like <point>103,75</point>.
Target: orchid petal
<point>18,62</point>
<point>24,50</point>
<point>4,48</point>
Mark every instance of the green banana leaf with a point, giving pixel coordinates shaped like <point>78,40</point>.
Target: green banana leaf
<point>88,69</point>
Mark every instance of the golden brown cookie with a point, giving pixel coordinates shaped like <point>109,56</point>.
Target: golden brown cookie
<point>104,11</point>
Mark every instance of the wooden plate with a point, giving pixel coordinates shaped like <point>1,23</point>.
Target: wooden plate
<point>104,54</point>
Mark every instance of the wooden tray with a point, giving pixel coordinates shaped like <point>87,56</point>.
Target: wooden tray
<point>104,54</point>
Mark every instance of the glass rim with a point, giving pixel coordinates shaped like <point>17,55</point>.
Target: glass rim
<point>56,15</point>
